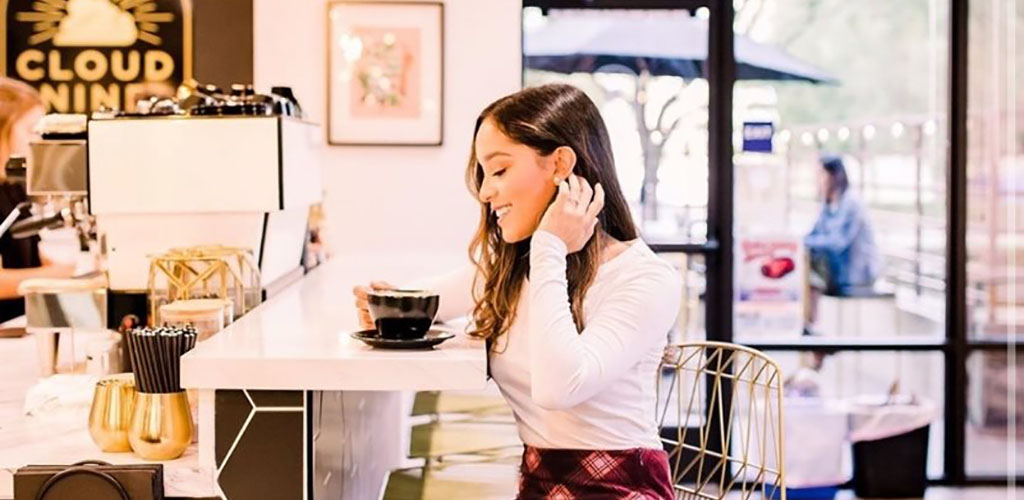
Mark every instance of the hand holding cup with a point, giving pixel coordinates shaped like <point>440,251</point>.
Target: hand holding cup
<point>362,305</point>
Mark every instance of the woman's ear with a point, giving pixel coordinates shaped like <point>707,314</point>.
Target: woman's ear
<point>565,162</point>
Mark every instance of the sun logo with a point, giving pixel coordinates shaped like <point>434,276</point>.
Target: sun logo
<point>94,23</point>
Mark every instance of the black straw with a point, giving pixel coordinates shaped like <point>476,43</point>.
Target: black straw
<point>156,356</point>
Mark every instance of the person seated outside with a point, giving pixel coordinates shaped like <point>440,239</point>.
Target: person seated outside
<point>841,245</point>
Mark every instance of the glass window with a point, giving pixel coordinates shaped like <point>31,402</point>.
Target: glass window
<point>995,183</point>
<point>856,247</point>
<point>656,114</point>
<point>995,175</point>
<point>690,325</point>
<point>989,424</point>
<point>832,400</point>
<point>867,384</point>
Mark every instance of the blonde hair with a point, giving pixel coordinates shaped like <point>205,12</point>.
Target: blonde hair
<point>16,99</point>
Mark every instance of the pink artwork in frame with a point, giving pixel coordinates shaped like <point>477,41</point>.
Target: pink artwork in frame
<point>386,80</point>
<point>385,73</point>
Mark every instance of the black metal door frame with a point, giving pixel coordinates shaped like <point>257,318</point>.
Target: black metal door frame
<point>956,249</point>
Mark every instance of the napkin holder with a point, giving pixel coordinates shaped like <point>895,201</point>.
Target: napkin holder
<point>92,480</point>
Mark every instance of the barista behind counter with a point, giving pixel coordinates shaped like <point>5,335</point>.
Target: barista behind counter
<point>20,109</point>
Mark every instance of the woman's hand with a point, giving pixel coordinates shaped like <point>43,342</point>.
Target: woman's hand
<point>573,214</point>
<point>362,307</point>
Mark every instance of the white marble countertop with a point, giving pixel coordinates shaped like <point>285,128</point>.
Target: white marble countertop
<point>299,340</point>
<point>64,439</point>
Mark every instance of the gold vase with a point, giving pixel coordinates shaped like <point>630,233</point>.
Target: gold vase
<point>111,413</point>
<point>161,426</point>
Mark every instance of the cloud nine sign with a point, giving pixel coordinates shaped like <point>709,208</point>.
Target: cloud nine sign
<point>83,54</point>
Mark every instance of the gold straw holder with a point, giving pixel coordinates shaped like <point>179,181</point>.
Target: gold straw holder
<point>111,412</point>
<point>161,425</point>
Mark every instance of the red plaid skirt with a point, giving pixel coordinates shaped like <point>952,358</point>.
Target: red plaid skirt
<point>636,474</point>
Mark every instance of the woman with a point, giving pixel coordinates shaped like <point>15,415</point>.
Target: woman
<point>844,258</point>
<point>20,259</point>
<point>575,308</point>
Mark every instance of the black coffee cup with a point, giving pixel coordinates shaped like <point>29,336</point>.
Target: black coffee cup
<point>403,314</point>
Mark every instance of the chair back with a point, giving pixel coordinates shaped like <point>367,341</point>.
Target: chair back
<point>720,415</point>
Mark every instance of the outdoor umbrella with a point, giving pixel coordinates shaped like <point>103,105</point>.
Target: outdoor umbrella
<point>664,46</point>
<point>669,45</point>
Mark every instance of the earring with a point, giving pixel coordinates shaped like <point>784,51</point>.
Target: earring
<point>556,180</point>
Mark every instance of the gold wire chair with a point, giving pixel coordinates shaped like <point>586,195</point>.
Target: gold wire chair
<point>726,435</point>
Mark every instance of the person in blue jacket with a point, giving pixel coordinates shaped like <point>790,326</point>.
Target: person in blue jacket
<point>843,255</point>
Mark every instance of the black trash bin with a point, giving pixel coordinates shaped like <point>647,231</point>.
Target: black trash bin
<point>892,467</point>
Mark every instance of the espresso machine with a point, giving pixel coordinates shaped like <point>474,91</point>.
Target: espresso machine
<point>203,168</point>
<point>242,178</point>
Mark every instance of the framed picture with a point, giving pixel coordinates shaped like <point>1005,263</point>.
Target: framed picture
<point>385,73</point>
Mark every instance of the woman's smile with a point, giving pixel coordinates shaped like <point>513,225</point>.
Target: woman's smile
<point>501,211</point>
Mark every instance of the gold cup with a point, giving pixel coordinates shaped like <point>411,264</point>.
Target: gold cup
<point>161,425</point>
<point>111,413</point>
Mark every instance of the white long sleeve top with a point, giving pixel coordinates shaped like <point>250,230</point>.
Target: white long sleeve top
<point>593,389</point>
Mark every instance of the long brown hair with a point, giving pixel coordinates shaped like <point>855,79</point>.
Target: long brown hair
<point>543,118</point>
<point>16,99</point>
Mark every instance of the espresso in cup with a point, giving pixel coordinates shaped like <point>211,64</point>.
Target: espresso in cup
<point>402,314</point>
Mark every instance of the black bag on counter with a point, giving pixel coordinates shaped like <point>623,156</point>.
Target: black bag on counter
<point>89,480</point>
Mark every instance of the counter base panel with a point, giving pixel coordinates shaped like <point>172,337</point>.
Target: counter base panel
<point>304,445</point>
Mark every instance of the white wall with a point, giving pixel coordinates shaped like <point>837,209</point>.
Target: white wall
<point>397,203</point>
